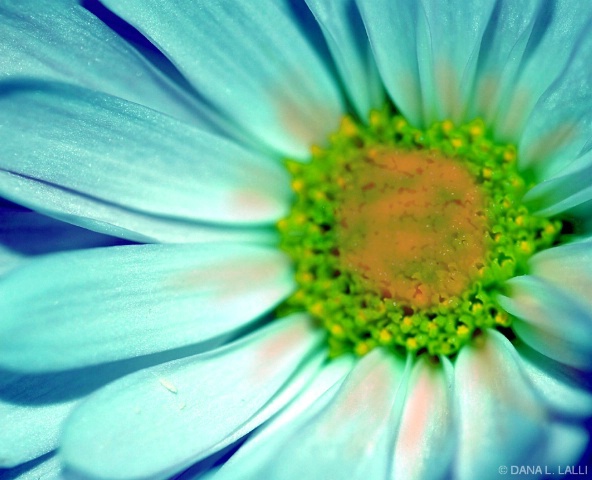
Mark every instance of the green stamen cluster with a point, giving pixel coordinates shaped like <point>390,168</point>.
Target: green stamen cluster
<point>358,318</point>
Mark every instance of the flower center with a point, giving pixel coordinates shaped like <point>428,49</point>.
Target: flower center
<point>412,226</point>
<point>403,238</point>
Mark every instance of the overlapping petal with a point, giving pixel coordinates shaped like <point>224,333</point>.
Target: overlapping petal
<point>352,436</point>
<point>427,437</point>
<point>62,41</point>
<point>392,29</point>
<point>258,454</point>
<point>346,37</point>
<point>557,26</point>
<point>449,37</point>
<point>251,61</point>
<point>559,128</point>
<point>127,155</point>
<point>221,395</point>
<point>87,307</point>
<point>502,421</point>
<point>550,320</point>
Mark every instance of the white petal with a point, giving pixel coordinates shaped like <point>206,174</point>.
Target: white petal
<point>550,320</point>
<point>252,459</point>
<point>501,420</point>
<point>426,439</point>
<point>251,61</point>
<point>346,37</point>
<point>158,421</point>
<point>93,306</point>
<point>112,150</point>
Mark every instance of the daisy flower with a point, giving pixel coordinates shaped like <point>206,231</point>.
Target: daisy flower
<point>287,239</point>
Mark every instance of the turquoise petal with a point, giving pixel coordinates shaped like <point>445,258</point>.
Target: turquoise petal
<point>62,41</point>
<point>251,61</point>
<point>392,29</point>
<point>29,431</point>
<point>560,125</point>
<point>347,39</point>
<point>426,438</point>
<point>510,30</point>
<point>568,267</point>
<point>130,156</point>
<point>46,468</point>
<point>158,421</point>
<point>561,387</point>
<point>448,45</point>
<point>569,189</point>
<point>69,310</point>
<point>352,437</point>
<point>259,452</point>
<point>502,422</point>
<point>538,304</point>
<point>99,216</point>
<point>558,25</point>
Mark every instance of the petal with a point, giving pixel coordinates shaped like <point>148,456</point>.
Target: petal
<point>568,267</point>
<point>261,71</point>
<point>109,219</point>
<point>345,35</point>
<point>74,309</point>
<point>557,27</point>
<point>61,41</point>
<point>449,41</point>
<point>158,421</point>
<point>565,446</point>
<point>502,421</point>
<point>28,431</point>
<point>352,436</point>
<point>47,467</point>
<point>550,320</point>
<point>570,188</point>
<point>425,442</point>
<point>392,30</point>
<point>565,390</point>
<point>34,406</point>
<point>260,450</point>
<point>25,234</point>
<point>125,154</point>
<point>510,29</point>
<point>560,126</point>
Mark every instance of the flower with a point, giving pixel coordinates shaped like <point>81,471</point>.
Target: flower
<point>163,126</point>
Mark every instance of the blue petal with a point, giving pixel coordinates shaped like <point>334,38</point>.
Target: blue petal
<point>352,437</point>
<point>392,28</point>
<point>62,41</point>
<point>538,304</point>
<point>47,467</point>
<point>568,267</point>
<point>97,215</point>
<point>557,27</point>
<point>73,309</point>
<point>158,421</point>
<point>502,422</point>
<point>570,188</point>
<point>510,29</point>
<point>426,437</point>
<point>561,387</point>
<point>260,451</point>
<point>34,406</point>
<point>449,41</point>
<point>560,126</point>
<point>130,156</point>
<point>251,61</point>
<point>29,431</point>
<point>344,31</point>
